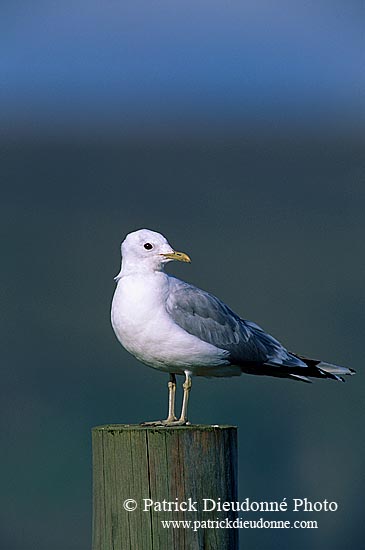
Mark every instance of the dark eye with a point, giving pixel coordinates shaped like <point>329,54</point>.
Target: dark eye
<point>148,246</point>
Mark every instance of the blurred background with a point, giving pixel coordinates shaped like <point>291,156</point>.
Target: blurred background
<point>235,129</point>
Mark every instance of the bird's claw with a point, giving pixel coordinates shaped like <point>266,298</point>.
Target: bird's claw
<point>167,423</point>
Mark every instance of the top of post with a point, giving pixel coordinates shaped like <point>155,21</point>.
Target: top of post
<point>165,429</point>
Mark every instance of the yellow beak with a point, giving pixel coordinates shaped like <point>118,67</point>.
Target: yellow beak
<point>179,256</point>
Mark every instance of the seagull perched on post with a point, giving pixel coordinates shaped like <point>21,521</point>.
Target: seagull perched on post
<point>175,327</point>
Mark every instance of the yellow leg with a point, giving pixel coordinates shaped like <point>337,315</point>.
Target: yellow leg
<point>171,420</point>
<point>172,391</point>
<point>184,409</point>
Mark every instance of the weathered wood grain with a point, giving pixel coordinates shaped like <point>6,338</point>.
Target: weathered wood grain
<point>162,464</point>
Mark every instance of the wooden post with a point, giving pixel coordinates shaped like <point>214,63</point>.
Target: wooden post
<point>134,465</point>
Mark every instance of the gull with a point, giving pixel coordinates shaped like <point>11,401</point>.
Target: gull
<point>175,327</point>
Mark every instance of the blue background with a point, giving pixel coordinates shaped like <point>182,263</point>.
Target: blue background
<point>236,129</point>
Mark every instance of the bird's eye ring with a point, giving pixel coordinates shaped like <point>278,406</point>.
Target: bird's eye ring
<point>148,246</point>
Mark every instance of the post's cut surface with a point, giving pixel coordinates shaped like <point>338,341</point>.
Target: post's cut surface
<point>135,465</point>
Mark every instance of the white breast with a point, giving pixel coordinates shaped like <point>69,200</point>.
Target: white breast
<point>144,328</point>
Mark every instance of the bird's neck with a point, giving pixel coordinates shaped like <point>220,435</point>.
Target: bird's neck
<point>138,269</point>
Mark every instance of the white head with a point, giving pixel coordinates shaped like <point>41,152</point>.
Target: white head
<point>146,250</point>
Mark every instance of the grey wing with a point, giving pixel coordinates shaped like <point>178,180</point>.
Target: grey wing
<point>205,316</point>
